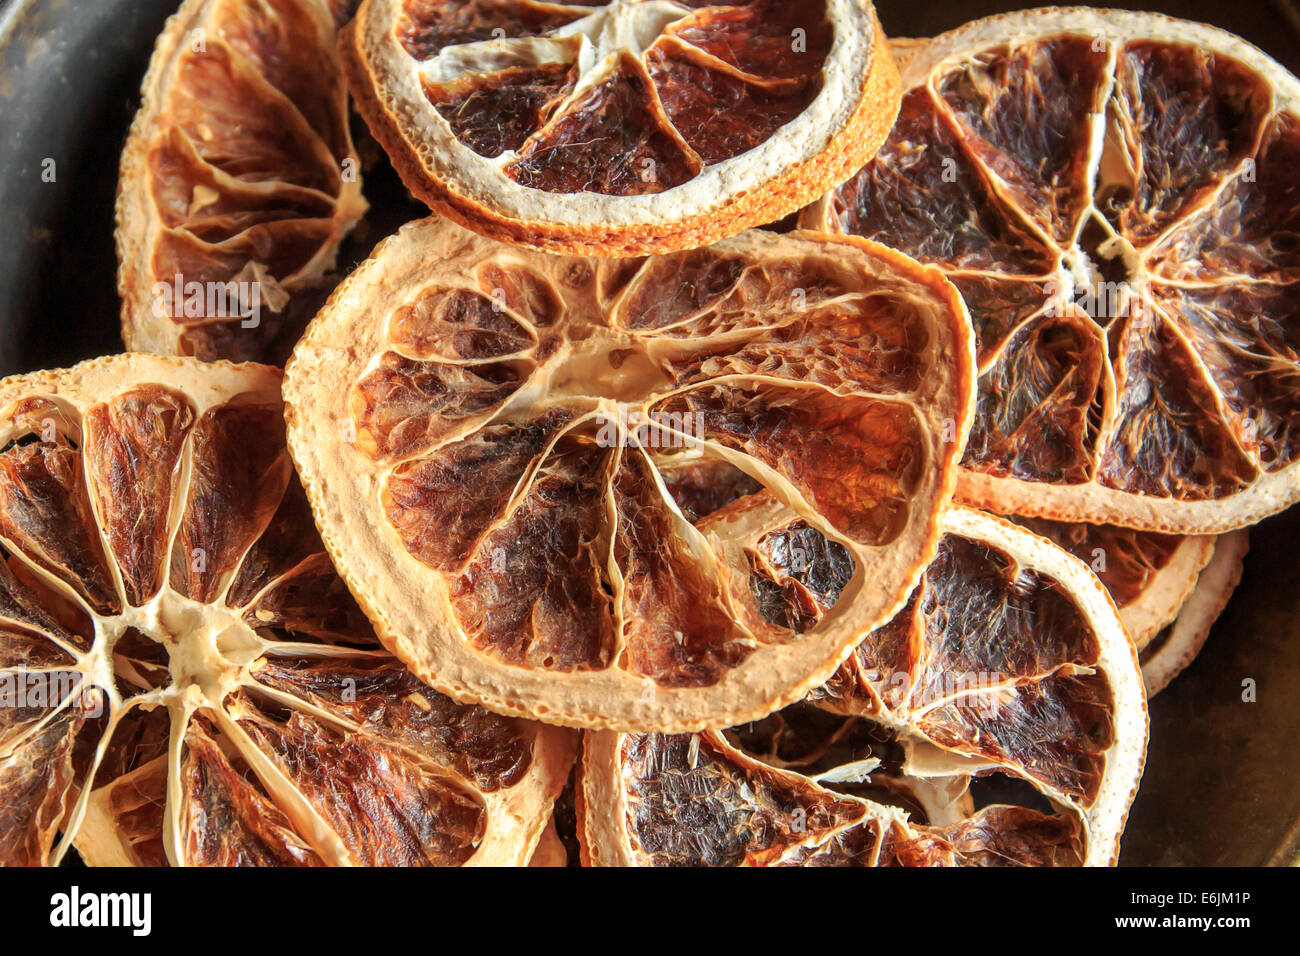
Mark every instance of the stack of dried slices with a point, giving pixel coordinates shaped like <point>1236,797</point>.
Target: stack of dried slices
<point>607,523</point>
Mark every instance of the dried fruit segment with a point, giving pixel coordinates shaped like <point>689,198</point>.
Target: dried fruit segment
<point>500,111</point>
<point>1177,153</point>
<point>385,810</point>
<point>1008,663</point>
<point>132,454</point>
<point>545,519</point>
<point>1148,576</point>
<point>238,182</point>
<point>238,475</point>
<point>675,617</point>
<point>720,115</point>
<point>35,775</point>
<point>1025,115</point>
<point>45,512</point>
<point>609,142</point>
<point>805,434</point>
<point>1245,338</point>
<point>426,29</point>
<point>1113,193</point>
<point>229,821</point>
<point>224,702</point>
<point>925,196</point>
<point>620,128</point>
<point>1034,413</point>
<point>491,751</point>
<point>534,593</point>
<point>1248,228</point>
<point>739,814</point>
<point>730,77</point>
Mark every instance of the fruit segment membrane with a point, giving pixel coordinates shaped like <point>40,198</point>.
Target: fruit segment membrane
<point>621,98</point>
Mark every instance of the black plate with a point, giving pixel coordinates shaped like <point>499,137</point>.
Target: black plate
<point>1223,777</point>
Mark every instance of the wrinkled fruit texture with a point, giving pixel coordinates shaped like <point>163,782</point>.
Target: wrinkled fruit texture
<point>1125,561</point>
<point>527,443</point>
<point>979,727</point>
<point>1169,589</point>
<point>1122,220</point>
<point>239,181</point>
<point>1148,575</point>
<point>187,680</point>
<point>692,87</point>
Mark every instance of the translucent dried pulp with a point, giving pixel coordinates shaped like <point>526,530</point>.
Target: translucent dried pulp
<point>238,182</point>
<point>187,681</point>
<point>507,455</point>
<point>625,127</point>
<point>1114,194</point>
<point>1008,662</point>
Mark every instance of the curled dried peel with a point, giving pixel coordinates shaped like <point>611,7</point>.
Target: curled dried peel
<point>1008,659</point>
<point>621,128</point>
<point>187,681</point>
<point>238,182</point>
<point>1113,195</point>
<point>1170,651</point>
<point>488,437</point>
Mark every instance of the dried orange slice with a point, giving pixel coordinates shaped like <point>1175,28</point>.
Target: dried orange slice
<point>1008,664</point>
<point>187,680</point>
<point>487,436</point>
<point>239,181</point>
<point>1113,193</point>
<point>625,127</point>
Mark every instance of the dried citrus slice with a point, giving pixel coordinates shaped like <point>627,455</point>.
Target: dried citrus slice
<point>238,182</point>
<point>1008,664</point>
<point>487,436</point>
<point>1113,193</point>
<point>621,128</point>
<point>187,680</point>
